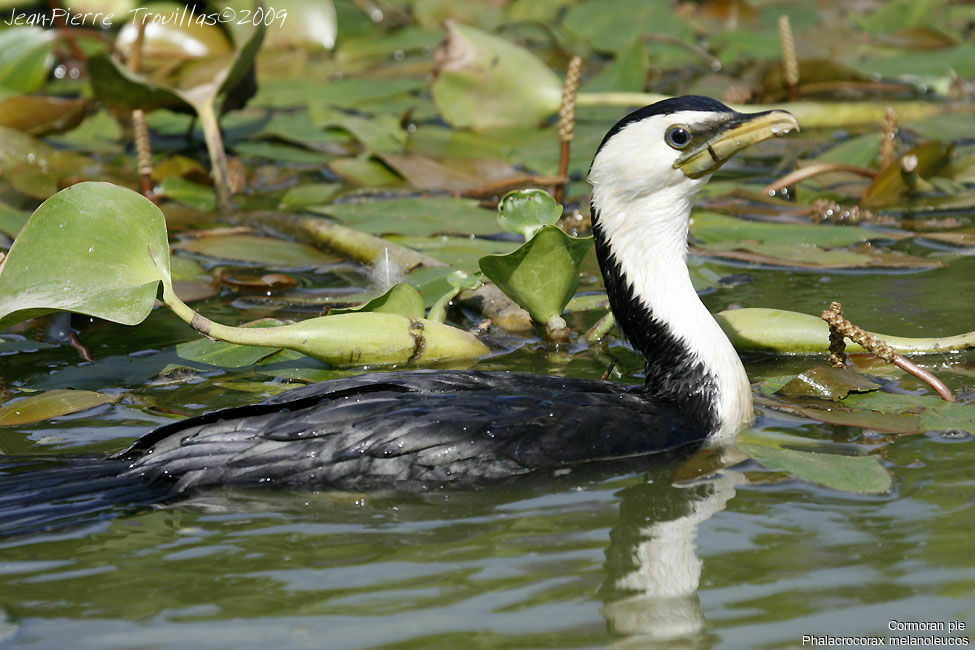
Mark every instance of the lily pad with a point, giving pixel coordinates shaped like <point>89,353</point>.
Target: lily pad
<point>188,193</point>
<point>413,216</point>
<point>827,383</point>
<point>303,196</point>
<point>482,81</point>
<point>51,404</point>
<point>256,250</point>
<point>862,474</point>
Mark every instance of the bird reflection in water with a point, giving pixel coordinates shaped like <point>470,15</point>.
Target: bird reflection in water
<point>652,562</point>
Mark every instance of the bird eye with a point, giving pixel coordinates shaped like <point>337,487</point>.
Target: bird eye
<point>677,137</point>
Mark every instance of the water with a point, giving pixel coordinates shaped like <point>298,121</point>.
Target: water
<point>611,556</point>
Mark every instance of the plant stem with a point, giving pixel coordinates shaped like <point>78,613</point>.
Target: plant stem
<point>601,328</point>
<point>218,156</point>
<point>815,170</point>
<point>209,328</point>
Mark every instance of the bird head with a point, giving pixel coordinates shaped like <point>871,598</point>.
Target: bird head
<point>674,145</point>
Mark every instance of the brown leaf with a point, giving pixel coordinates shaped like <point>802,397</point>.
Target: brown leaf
<point>40,115</point>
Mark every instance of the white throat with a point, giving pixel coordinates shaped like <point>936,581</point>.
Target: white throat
<point>647,234</point>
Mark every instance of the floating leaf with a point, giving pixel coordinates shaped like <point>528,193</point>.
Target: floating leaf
<point>93,248</point>
<point>482,81</point>
<point>541,275</point>
<point>451,174</point>
<point>256,250</point>
<point>826,382</point>
<point>366,172</point>
<point>382,134</point>
<point>172,40</point>
<point>612,26</point>
<point>862,474</point>
<point>459,252</point>
<point>189,193</point>
<point>303,196</point>
<point>26,56</point>
<point>934,413</point>
<point>413,216</point>
<point>400,299</point>
<point>525,212</point>
<point>344,93</point>
<point>52,404</point>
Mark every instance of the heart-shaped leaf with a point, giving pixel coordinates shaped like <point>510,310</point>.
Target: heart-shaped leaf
<point>525,212</point>
<point>542,274</point>
<point>52,404</point>
<point>93,248</point>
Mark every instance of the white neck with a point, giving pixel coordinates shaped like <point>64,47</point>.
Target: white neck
<point>647,234</point>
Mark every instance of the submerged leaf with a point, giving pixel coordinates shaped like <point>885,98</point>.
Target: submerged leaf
<point>827,383</point>
<point>51,404</point>
<point>256,250</point>
<point>862,474</point>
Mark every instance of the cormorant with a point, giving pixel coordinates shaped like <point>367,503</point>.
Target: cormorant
<point>430,427</point>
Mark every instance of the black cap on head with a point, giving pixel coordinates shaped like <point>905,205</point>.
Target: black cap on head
<point>665,107</point>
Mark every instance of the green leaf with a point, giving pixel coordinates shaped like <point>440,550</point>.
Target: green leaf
<point>303,196</point>
<point>400,299</point>
<point>525,211</point>
<point>482,81</point>
<point>826,382</point>
<point>123,90</point>
<point>862,474</point>
<point>52,404</point>
<point>613,25</point>
<point>189,193</point>
<point>26,56</point>
<point>935,413</point>
<point>11,220</point>
<point>541,275</point>
<point>256,250</point>
<point>93,248</point>
<point>381,134</point>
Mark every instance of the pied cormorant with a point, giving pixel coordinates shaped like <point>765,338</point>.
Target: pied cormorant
<point>432,427</point>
